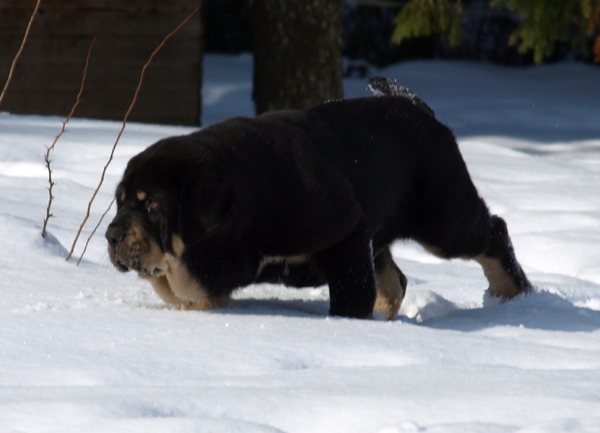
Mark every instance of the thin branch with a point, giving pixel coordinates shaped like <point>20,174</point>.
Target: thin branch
<point>62,131</point>
<point>50,196</point>
<point>133,102</point>
<point>14,63</point>
<point>95,229</point>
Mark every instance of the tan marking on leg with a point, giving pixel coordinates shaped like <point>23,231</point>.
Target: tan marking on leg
<point>206,304</point>
<point>296,260</point>
<point>170,276</point>
<point>289,260</point>
<point>388,295</point>
<point>184,286</point>
<point>163,290</point>
<point>391,288</point>
<point>501,284</point>
<point>142,195</point>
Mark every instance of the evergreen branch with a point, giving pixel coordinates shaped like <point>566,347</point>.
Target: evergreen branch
<point>545,25</point>
<point>428,18</point>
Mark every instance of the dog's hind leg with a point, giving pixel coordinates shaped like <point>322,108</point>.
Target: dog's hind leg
<point>348,269</point>
<point>391,285</point>
<point>506,277</point>
<point>486,241</point>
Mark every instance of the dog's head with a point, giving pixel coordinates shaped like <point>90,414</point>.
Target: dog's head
<point>171,195</point>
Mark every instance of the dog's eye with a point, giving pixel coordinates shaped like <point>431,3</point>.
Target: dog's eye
<point>151,205</point>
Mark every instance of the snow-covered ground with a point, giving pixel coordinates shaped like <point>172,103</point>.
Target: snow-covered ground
<point>87,349</point>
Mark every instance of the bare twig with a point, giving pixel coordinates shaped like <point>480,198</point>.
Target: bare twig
<point>62,131</point>
<point>14,63</point>
<point>50,196</point>
<point>95,229</point>
<point>133,102</point>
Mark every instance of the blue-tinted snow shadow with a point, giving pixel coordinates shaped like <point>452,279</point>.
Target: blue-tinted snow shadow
<point>55,248</point>
<point>538,310</point>
<point>548,136</point>
<point>277,307</point>
<point>53,245</point>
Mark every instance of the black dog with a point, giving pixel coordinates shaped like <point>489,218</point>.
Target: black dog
<point>306,198</point>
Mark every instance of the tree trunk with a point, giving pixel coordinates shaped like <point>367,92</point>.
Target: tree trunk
<point>297,53</point>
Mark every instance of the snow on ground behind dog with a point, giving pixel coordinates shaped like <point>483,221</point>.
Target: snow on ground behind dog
<point>88,349</point>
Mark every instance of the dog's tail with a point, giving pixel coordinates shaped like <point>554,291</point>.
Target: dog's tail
<point>386,87</point>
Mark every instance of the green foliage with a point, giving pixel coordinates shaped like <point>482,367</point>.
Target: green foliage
<point>544,23</point>
<point>548,22</point>
<point>427,18</point>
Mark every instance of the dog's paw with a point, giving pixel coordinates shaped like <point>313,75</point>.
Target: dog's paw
<point>206,304</point>
<point>388,306</point>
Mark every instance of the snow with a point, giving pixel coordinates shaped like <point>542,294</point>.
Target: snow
<point>89,349</point>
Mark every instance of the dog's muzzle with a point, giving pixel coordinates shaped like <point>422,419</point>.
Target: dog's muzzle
<point>115,234</point>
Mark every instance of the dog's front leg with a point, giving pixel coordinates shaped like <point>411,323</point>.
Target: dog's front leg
<point>348,268</point>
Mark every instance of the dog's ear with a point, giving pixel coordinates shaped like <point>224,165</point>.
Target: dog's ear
<point>206,201</point>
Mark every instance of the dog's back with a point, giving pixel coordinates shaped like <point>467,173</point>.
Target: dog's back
<point>405,167</point>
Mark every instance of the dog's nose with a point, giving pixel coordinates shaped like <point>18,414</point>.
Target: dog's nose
<point>114,234</point>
